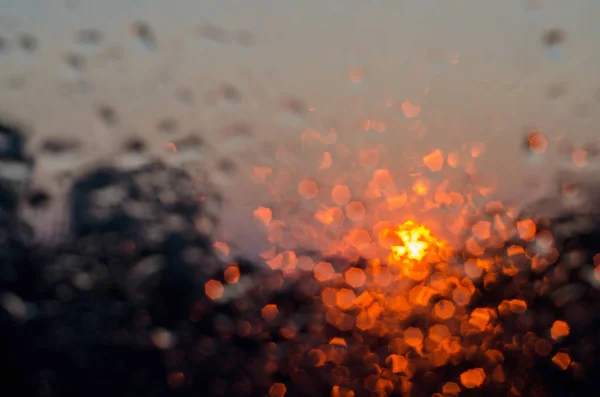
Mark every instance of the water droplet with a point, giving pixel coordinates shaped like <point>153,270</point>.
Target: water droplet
<point>59,146</point>
<point>295,111</point>
<point>238,135</point>
<point>168,125</point>
<point>213,33</point>
<point>28,42</point>
<point>145,35</point>
<point>230,94</point>
<point>227,166</point>
<point>75,62</point>
<point>107,115</point>
<point>244,38</point>
<point>184,95</point>
<point>553,40</point>
<point>189,148</point>
<point>89,36</point>
<point>39,199</point>
<point>135,145</point>
<point>553,37</point>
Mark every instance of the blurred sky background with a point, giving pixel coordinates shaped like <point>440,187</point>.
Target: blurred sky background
<point>249,76</point>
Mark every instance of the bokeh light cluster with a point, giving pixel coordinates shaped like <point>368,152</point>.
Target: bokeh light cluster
<point>398,309</point>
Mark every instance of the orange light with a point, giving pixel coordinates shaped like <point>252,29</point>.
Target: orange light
<point>264,215</point>
<point>559,330</point>
<point>222,247</point>
<point>270,312</point>
<point>411,242</point>
<point>277,390</point>
<point>472,378</point>
<point>410,110</point>
<point>214,289</point>
<point>232,274</point>
<point>434,160</point>
<point>537,142</point>
<point>561,360</point>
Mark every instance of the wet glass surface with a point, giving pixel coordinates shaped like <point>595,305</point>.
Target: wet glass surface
<point>299,198</point>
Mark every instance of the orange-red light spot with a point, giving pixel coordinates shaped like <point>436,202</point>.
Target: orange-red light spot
<point>434,160</point>
<point>270,312</point>
<point>326,161</point>
<point>305,263</point>
<point>408,241</point>
<point>410,110</point>
<point>421,186</point>
<point>482,230</point>
<point>477,150</point>
<point>480,318</point>
<point>472,378</point>
<point>438,333</point>
<point>397,201</point>
<point>451,389</point>
<point>421,295</point>
<point>382,276</point>
<point>222,246</point>
<point>413,336</point>
<point>261,173</point>
<point>232,274</point>
<point>277,390</point>
<point>494,207</point>
<point>340,195</point>
<point>453,159</point>
<point>537,142</point>
<point>338,342</point>
<point>355,211</point>
<point>356,75</point>
<point>515,250</point>
<point>397,363</point>
<point>330,216</point>
<point>383,181</point>
<point>355,277</point>
<point>264,215</point>
<point>214,289</point>
<point>317,357</point>
<point>561,360</point>
<point>472,269</point>
<point>364,299</point>
<point>526,229</point>
<point>444,309</point>
<point>517,306</point>
<point>345,298</point>
<point>171,146</point>
<point>310,135</point>
<point>323,271</point>
<point>308,188</point>
<point>275,230</point>
<point>559,329</point>
<point>579,157</point>
<point>368,158</point>
<point>461,296</point>
<point>276,262</point>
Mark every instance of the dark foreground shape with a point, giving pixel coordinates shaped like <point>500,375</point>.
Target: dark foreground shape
<point>120,309</point>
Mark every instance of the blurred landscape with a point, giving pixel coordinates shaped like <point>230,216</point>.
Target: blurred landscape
<point>166,167</point>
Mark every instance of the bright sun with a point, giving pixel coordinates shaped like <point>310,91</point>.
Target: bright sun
<point>409,242</point>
